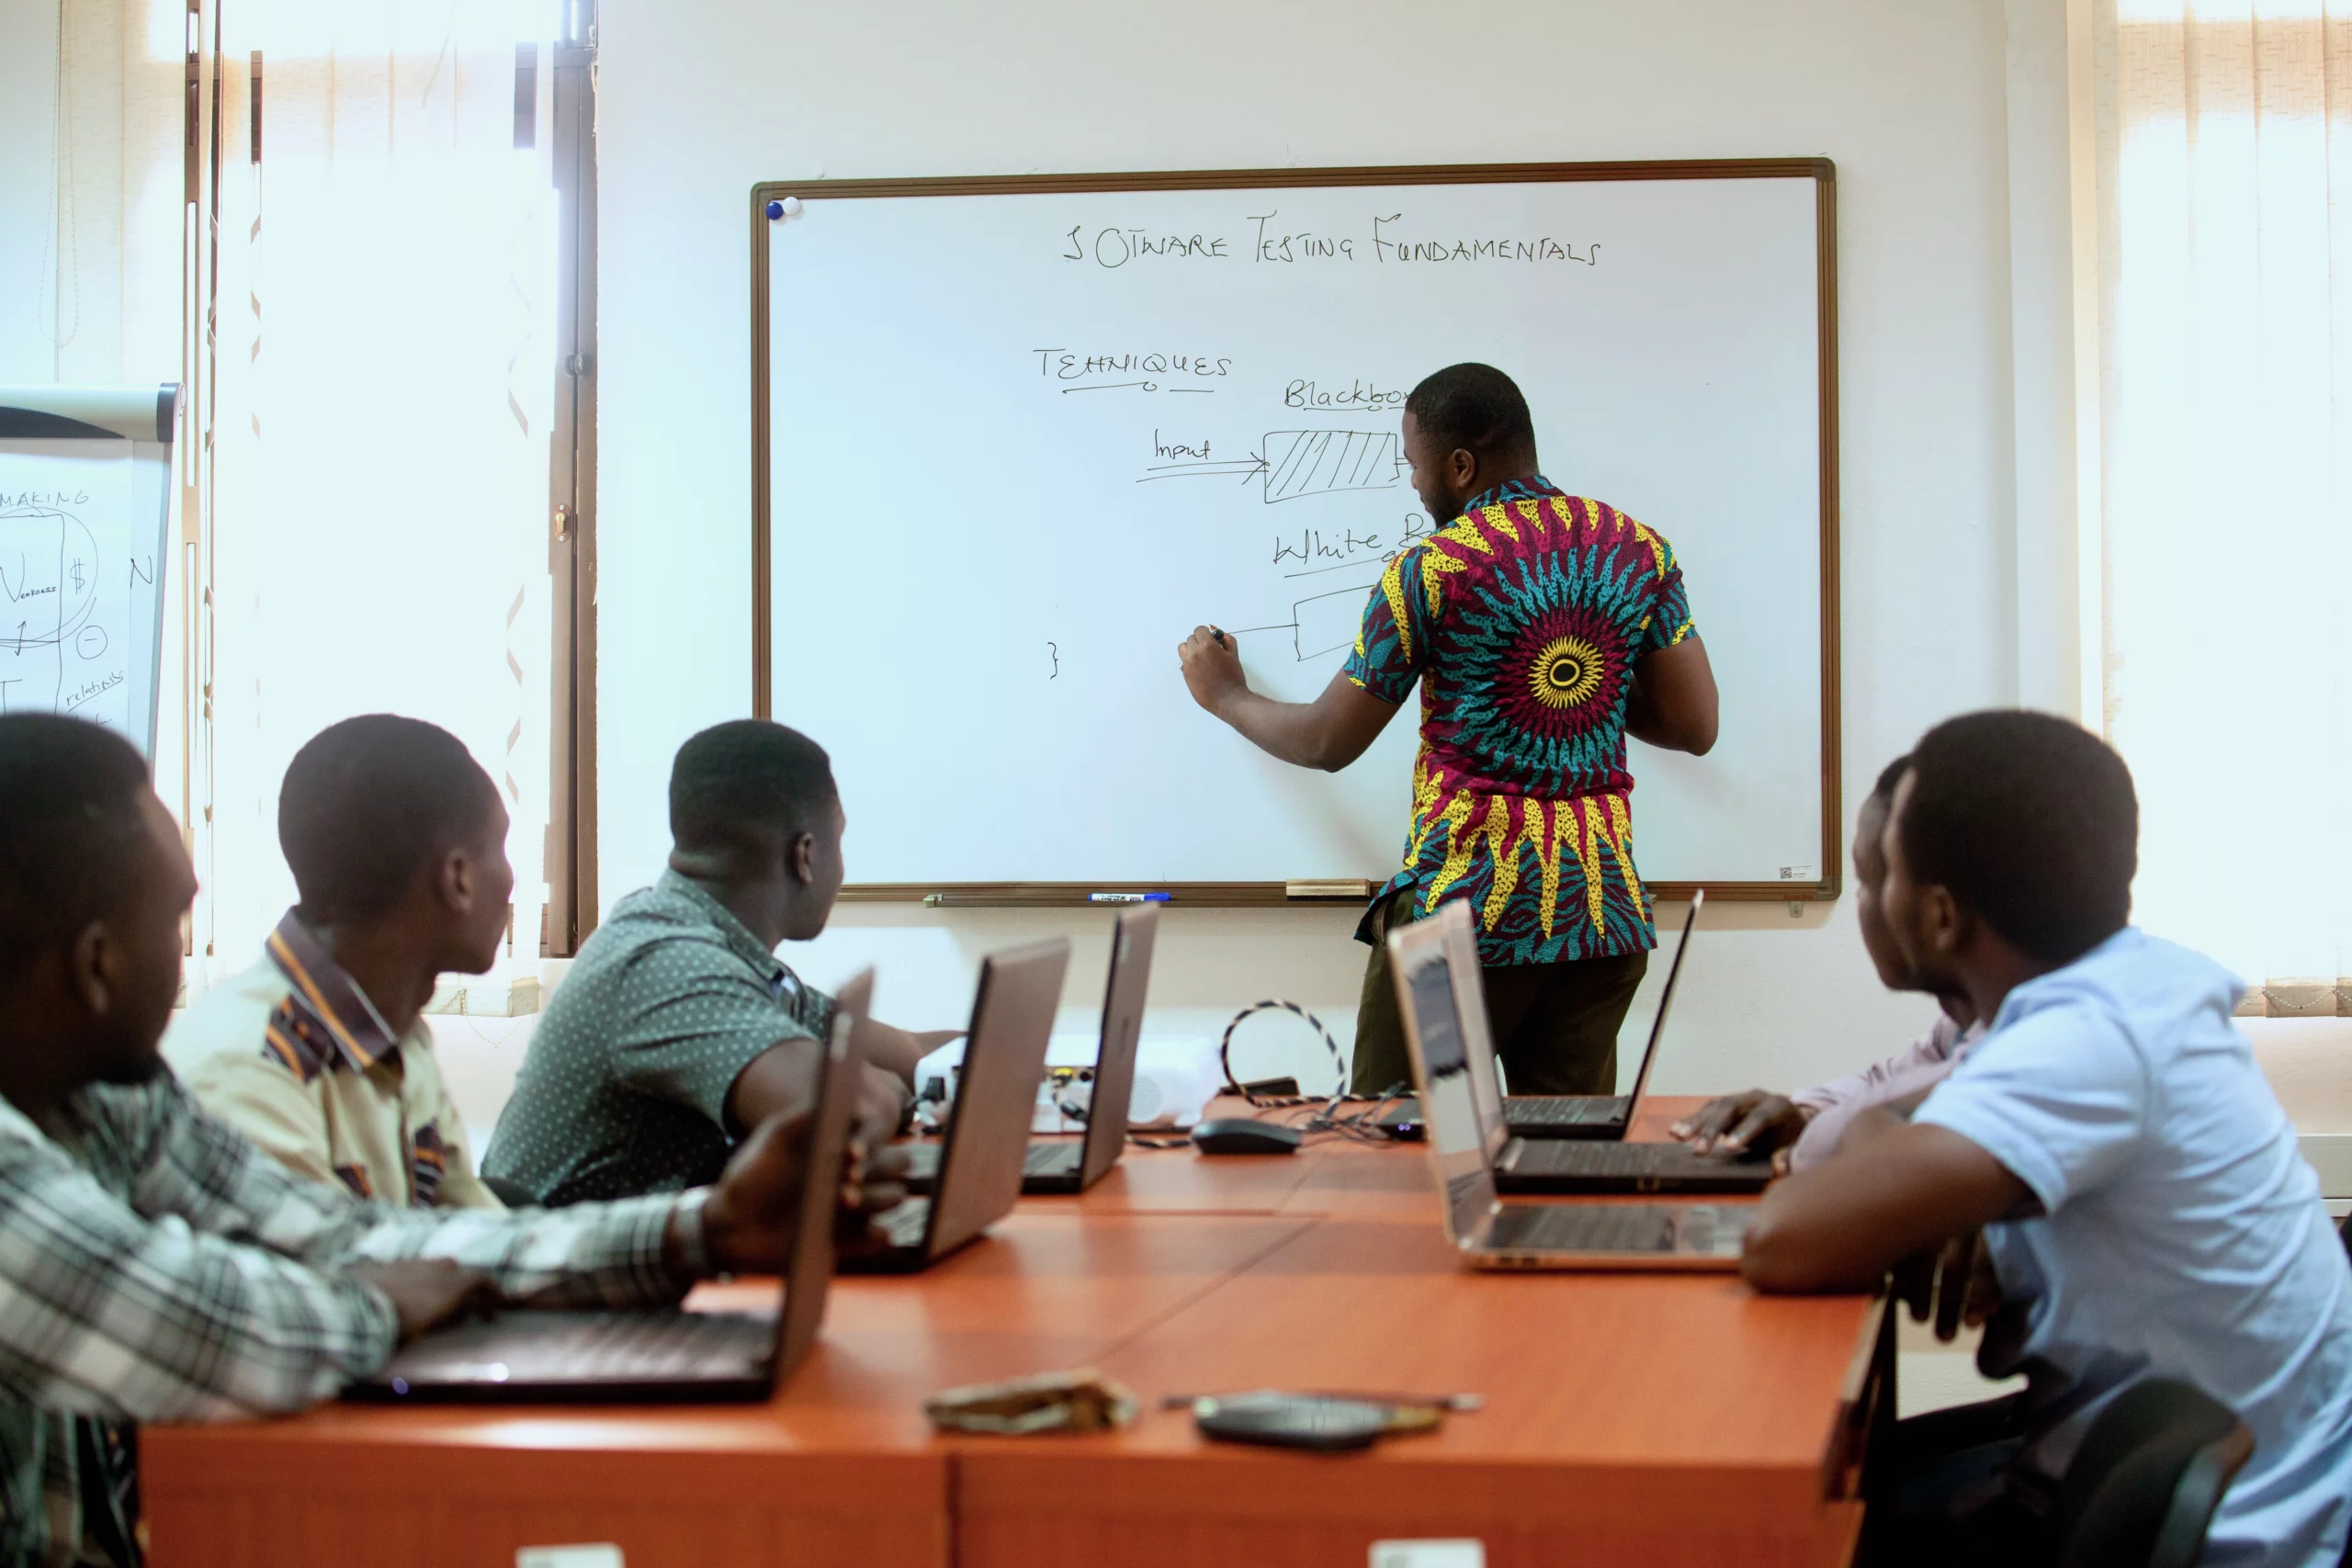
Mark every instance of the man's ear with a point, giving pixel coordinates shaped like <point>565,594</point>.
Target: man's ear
<point>1462,468</point>
<point>1943,920</point>
<point>800,857</point>
<point>455,882</point>
<point>90,959</point>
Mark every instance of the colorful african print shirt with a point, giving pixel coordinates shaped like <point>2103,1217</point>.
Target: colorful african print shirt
<point>1522,621</point>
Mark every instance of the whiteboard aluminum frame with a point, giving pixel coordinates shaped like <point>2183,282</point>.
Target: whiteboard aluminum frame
<point>146,415</point>
<point>1821,171</point>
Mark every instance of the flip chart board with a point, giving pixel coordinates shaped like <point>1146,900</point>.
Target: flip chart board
<point>1014,438</point>
<point>85,501</point>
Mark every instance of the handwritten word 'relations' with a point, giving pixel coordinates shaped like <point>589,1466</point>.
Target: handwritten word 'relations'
<point>90,690</point>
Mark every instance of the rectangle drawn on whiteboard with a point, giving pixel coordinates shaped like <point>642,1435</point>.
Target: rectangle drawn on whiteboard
<point>1328,622</point>
<point>1321,462</point>
<point>66,577</point>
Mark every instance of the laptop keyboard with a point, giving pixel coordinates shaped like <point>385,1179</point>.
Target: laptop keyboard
<point>1040,1159</point>
<point>1706,1230</point>
<point>1560,1109</point>
<point>576,1347</point>
<point>1051,1159</point>
<point>647,1346</point>
<point>905,1226</point>
<point>1611,1159</point>
<point>1617,1227</point>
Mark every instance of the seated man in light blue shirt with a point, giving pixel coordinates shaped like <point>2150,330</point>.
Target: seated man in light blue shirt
<point>2143,1207</point>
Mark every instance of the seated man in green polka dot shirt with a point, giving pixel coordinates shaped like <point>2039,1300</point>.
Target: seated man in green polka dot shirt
<point>678,1028</point>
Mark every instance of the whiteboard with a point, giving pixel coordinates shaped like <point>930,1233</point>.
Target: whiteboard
<point>1017,438</point>
<point>84,502</point>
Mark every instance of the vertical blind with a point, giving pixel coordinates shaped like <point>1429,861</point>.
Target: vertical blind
<point>2224,162</point>
<point>374,312</point>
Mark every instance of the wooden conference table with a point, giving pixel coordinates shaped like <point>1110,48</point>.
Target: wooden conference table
<point>1660,1419</point>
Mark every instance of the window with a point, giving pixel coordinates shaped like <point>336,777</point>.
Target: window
<point>377,309</point>
<point>2225,259</point>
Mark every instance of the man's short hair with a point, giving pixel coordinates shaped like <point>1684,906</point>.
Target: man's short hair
<point>1890,779</point>
<point>72,832</point>
<point>370,804</point>
<point>747,784</point>
<point>1474,408</point>
<point>2032,823</point>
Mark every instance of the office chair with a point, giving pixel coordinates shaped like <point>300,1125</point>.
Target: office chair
<point>2142,1488</point>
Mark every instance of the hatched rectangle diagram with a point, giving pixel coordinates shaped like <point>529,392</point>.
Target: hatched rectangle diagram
<point>1322,462</point>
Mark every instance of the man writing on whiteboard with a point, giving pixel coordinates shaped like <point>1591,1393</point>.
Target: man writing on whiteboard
<point>1544,628</point>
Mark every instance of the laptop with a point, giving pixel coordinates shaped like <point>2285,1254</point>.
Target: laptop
<point>1465,1132</point>
<point>1066,1165</point>
<point>1596,1117</point>
<point>658,1354</point>
<point>1547,1165</point>
<point>982,1152</point>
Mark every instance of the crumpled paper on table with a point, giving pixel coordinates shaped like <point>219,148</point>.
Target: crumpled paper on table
<point>1081,1401</point>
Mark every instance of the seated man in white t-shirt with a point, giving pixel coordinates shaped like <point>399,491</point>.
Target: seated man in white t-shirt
<point>1802,1128</point>
<point>2144,1206</point>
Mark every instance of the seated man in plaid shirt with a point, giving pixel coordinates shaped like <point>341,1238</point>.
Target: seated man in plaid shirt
<point>153,1264</point>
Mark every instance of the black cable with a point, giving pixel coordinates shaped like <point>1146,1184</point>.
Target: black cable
<point>1234,1085</point>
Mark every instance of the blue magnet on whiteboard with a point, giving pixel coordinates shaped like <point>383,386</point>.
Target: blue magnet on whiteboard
<point>775,210</point>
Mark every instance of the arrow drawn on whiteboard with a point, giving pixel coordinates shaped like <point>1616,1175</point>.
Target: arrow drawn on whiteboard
<point>1307,462</point>
<point>1243,469</point>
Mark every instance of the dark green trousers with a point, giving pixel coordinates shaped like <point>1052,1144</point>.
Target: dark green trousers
<point>1555,1025</point>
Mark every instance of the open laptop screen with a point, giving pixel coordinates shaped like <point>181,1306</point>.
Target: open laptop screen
<point>810,1274</point>
<point>1115,1056</point>
<point>1449,1101</point>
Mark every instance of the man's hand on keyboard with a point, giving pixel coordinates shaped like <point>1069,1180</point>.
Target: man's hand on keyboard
<point>428,1292</point>
<point>874,1178</point>
<point>1758,1121</point>
<point>749,1219</point>
<point>752,1211</point>
<point>883,1101</point>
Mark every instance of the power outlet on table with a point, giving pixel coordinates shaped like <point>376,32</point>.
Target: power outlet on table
<point>1429,1555</point>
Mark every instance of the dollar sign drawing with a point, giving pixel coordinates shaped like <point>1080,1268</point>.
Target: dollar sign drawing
<point>77,576</point>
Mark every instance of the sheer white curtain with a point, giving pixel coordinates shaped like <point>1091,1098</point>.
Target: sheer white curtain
<point>386,307</point>
<point>2226,258</point>
<point>377,385</point>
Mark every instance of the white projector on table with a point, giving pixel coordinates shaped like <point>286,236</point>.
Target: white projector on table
<point>1176,1075</point>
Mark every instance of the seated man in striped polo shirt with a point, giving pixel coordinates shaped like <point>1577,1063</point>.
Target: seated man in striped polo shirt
<point>319,1052</point>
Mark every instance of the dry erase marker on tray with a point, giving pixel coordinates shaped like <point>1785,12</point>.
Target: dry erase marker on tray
<point>1126,898</point>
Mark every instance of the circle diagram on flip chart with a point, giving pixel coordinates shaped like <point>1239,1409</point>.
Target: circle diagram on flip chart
<point>64,595</point>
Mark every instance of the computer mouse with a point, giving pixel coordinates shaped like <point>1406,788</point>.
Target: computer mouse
<point>1241,1135</point>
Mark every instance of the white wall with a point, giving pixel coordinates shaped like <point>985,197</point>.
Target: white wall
<point>699,101</point>
<point>27,186</point>
<point>1932,109</point>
